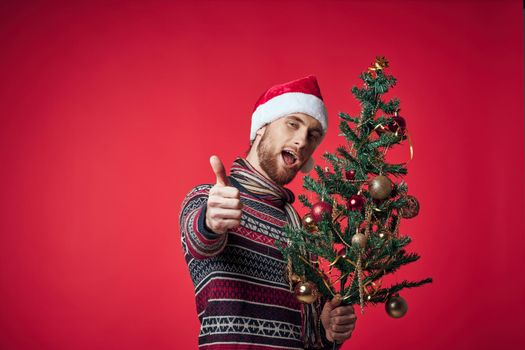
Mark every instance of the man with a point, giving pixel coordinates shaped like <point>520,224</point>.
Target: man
<point>229,231</point>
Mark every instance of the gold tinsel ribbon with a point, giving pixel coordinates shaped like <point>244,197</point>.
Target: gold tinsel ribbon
<point>358,274</point>
<point>359,271</point>
<point>411,146</point>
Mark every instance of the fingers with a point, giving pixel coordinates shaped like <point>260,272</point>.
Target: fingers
<point>341,324</point>
<point>227,214</point>
<point>340,333</point>
<point>220,220</point>
<point>225,203</point>
<point>224,197</point>
<point>342,320</point>
<point>221,226</point>
<point>219,171</point>
<point>342,311</point>
<point>342,328</point>
<point>223,214</point>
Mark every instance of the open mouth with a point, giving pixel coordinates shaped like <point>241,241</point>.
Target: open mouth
<point>289,158</point>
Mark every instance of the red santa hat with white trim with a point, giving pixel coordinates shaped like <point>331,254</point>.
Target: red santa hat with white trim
<point>297,96</point>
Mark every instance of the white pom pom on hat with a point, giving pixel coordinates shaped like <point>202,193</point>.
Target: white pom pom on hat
<point>297,96</point>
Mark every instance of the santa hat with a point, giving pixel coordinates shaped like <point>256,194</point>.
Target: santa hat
<point>297,96</point>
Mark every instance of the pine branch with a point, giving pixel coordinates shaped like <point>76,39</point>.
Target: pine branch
<point>382,295</point>
<point>346,117</point>
<point>390,107</point>
<point>386,140</point>
<point>346,155</point>
<point>304,200</point>
<point>349,133</point>
<point>395,169</point>
<point>311,185</point>
<point>332,158</point>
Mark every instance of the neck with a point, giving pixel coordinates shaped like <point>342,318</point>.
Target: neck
<point>253,159</point>
<point>253,181</point>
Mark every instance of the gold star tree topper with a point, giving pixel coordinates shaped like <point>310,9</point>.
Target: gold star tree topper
<point>380,64</point>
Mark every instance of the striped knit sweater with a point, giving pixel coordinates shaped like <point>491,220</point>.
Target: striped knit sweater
<point>243,299</point>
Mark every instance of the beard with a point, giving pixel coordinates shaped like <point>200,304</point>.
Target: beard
<point>268,161</point>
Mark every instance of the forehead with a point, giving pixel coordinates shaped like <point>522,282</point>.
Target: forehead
<point>308,121</point>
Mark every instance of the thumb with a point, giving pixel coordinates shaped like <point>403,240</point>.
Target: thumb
<point>219,171</point>
<point>335,302</point>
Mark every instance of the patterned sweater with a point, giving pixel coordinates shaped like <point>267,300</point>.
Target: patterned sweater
<point>243,299</point>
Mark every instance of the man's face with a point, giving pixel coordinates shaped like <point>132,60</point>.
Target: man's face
<point>286,144</point>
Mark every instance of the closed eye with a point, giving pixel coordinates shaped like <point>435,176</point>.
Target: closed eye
<point>314,136</point>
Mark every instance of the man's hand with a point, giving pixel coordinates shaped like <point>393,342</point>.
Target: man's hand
<point>338,321</point>
<point>223,211</point>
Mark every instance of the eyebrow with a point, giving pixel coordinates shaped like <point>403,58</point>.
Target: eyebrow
<point>299,120</point>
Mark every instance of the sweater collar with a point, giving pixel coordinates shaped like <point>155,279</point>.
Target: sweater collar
<point>244,173</point>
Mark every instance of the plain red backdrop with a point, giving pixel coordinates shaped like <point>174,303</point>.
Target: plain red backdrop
<point>110,111</point>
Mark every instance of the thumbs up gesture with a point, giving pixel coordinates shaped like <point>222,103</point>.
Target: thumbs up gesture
<point>224,208</point>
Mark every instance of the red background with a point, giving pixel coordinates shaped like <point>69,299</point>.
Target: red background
<point>110,111</point>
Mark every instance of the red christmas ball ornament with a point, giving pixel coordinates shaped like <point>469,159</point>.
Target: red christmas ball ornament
<point>342,252</point>
<point>356,202</point>
<point>350,174</point>
<point>320,209</point>
<point>397,123</point>
<point>327,172</point>
<point>411,209</point>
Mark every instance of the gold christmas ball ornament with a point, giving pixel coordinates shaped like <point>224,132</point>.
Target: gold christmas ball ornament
<point>295,278</point>
<point>309,223</point>
<point>306,292</point>
<point>380,187</point>
<point>359,239</point>
<point>411,209</point>
<point>396,306</point>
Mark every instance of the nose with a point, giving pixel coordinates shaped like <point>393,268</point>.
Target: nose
<point>301,138</point>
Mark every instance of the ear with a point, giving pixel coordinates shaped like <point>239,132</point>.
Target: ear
<point>261,131</point>
<point>258,135</point>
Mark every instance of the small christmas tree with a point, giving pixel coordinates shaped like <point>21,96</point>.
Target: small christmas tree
<point>350,238</point>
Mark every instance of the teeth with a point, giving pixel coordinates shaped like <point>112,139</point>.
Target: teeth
<point>292,154</point>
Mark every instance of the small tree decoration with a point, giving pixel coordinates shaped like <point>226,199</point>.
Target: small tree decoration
<point>350,239</point>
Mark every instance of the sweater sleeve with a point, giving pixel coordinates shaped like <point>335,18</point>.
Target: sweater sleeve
<point>197,240</point>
